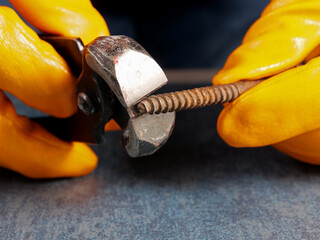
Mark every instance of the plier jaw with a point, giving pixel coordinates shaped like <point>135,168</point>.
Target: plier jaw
<point>114,74</point>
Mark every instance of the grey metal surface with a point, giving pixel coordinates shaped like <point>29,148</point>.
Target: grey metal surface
<point>127,68</point>
<point>147,133</point>
<point>195,187</point>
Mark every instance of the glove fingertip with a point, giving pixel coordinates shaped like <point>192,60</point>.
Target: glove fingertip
<point>226,130</point>
<point>236,126</point>
<point>83,160</point>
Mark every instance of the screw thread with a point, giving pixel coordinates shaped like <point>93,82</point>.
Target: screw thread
<point>194,98</point>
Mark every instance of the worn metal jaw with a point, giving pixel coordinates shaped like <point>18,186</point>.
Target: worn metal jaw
<point>116,73</point>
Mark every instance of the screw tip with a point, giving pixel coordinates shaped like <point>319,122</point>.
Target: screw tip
<point>142,108</point>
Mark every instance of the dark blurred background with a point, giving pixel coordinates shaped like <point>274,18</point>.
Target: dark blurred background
<point>182,34</point>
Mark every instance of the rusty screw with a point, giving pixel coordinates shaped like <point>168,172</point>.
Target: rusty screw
<point>194,98</point>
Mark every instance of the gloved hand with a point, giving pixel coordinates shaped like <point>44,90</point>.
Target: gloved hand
<point>34,72</point>
<point>283,110</point>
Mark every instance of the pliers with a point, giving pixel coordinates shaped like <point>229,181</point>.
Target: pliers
<point>114,74</point>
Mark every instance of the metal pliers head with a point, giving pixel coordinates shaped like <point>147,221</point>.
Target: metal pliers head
<point>116,74</point>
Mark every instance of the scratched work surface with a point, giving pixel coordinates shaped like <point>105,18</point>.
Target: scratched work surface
<point>196,187</point>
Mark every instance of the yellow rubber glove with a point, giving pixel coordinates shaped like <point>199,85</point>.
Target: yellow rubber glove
<point>34,72</point>
<point>283,110</point>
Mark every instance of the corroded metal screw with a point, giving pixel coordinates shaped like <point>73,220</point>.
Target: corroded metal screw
<point>194,98</point>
